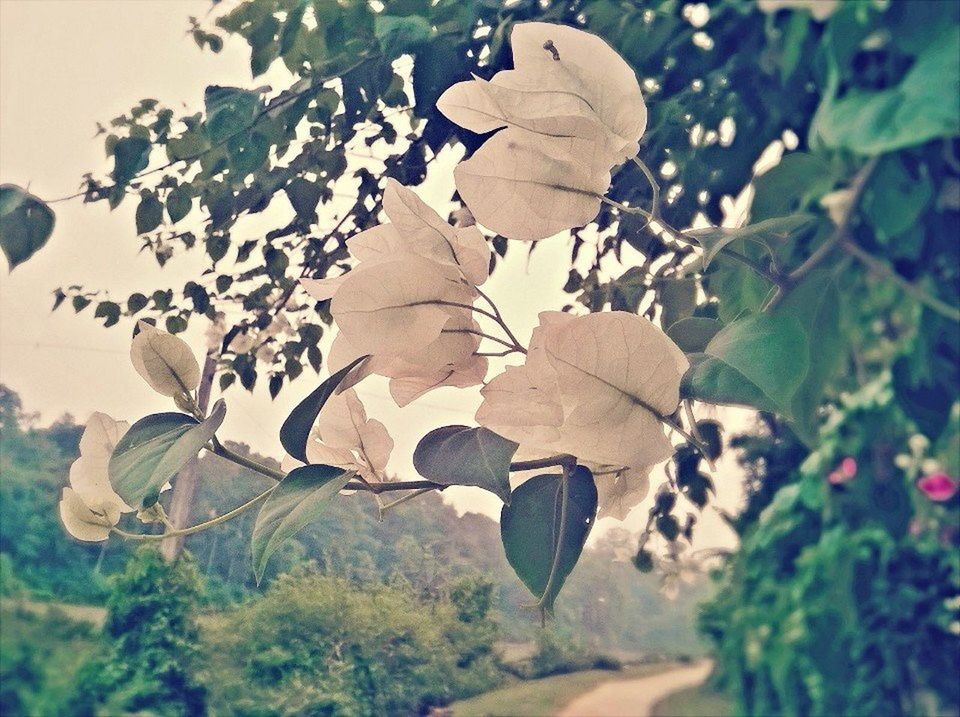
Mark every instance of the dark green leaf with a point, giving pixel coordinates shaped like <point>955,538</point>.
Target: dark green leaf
<point>304,196</point>
<point>400,35</point>
<point>298,500</point>
<point>136,302</point>
<point>920,108</point>
<point>816,305</point>
<point>693,333</point>
<point>530,528</point>
<point>130,156</point>
<point>179,203</point>
<point>759,360</point>
<point>149,213</point>
<point>108,310</point>
<point>25,224</point>
<point>156,448</point>
<point>678,299</point>
<point>787,187</point>
<point>295,431</point>
<point>230,110</point>
<point>459,455</point>
<point>894,199</point>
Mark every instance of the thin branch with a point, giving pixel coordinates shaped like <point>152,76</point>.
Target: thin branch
<point>654,187</point>
<point>224,452</point>
<point>200,527</point>
<point>486,336</point>
<point>695,432</point>
<point>880,267</point>
<point>499,319</point>
<point>677,235</point>
<point>277,103</point>
<point>394,486</point>
<point>857,187</point>
<point>410,496</point>
<point>560,460</point>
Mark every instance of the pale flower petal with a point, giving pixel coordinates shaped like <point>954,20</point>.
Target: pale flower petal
<point>613,375</point>
<point>346,438</point>
<point>529,187</point>
<point>397,307</point>
<point>572,110</point>
<point>83,522</point>
<point>164,361</point>
<point>619,492</point>
<point>618,374</point>
<point>89,474</point>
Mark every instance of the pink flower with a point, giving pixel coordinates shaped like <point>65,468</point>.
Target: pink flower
<point>938,487</point>
<point>848,467</point>
<point>844,473</point>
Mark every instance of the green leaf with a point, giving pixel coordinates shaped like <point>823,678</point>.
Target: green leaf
<point>298,500</point>
<point>304,196</point>
<point>108,310</point>
<point>292,27</point>
<point>923,106</point>
<point>787,187</point>
<point>295,431</point>
<point>26,223</point>
<point>678,299</point>
<point>459,455</point>
<point>816,305</point>
<point>530,528</point>
<point>768,233</point>
<point>230,110</point>
<point>179,203</point>
<point>156,448</point>
<point>759,360</point>
<point>894,200</point>
<point>693,333</point>
<point>149,213</point>
<point>400,35</point>
<point>130,156</point>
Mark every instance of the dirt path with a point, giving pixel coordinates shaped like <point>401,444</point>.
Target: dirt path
<point>635,698</point>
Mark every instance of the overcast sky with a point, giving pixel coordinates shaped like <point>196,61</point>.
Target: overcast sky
<point>67,64</point>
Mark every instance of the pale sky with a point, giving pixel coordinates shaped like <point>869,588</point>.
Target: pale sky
<point>67,64</point>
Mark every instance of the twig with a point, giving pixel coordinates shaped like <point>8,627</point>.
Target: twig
<point>276,104</point>
<point>200,527</point>
<point>881,267</point>
<point>475,332</point>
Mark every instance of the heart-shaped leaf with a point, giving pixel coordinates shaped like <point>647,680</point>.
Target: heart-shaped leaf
<point>296,501</point>
<point>25,224</point>
<point>536,538</point>
<point>459,455</point>
<point>693,333</point>
<point>759,360</point>
<point>295,431</point>
<point>156,448</point>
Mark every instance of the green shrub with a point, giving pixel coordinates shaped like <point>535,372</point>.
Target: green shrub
<point>151,639</point>
<point>319,645</point>
<point>840,601</point>
<point>41,652</point>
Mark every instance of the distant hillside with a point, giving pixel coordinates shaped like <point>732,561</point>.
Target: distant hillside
<point>606,602</point>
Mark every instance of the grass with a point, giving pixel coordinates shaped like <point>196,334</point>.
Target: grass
<point>546,696</point>
<point>700,701</point>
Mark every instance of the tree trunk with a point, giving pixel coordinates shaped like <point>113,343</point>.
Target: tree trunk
<point>185,486</point>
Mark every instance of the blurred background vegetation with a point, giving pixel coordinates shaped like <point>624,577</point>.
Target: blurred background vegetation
<point>382,618</point>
